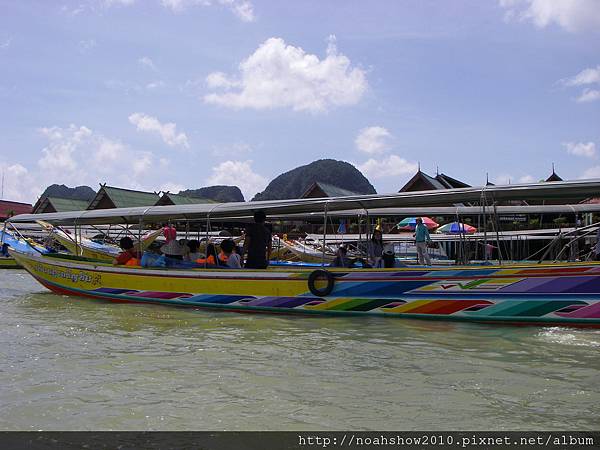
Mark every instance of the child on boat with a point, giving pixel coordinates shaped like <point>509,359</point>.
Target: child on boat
<point>211,256</point>
<point>129,256</point>
<point>341,259</point>
<point>193,254</point>
<point>228,256</point>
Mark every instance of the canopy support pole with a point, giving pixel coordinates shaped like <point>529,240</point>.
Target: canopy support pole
<point>140,244</point>
<point>207,240</point>
<point>485,241</point>
<point>324,233</point>
<point>76,244</point>
<point>497,234</point>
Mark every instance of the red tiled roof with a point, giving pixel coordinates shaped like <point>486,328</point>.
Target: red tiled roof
<point>13,208</point>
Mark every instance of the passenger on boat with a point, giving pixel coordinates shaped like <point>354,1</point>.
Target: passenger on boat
<point>129,256</point>
<point>257,243</point>
<point>421,239</point>
<point>341,259</point>
<point>184,248</point>
<point>228,257</point>
<point>211,256</point>
<point>193,254</point>
<point>389,258</point>
<point>172,249</point>
<point>375,249</point>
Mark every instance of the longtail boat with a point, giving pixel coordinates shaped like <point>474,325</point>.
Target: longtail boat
<point>24,245</point>
<point>88,248</point>
<point>561,293</point>
<point>306,251</point>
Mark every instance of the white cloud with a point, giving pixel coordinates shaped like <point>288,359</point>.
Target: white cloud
<point>19,184</point>
<point>506,178</point>
<point>155,85</point>
<point>87,45</point>
<point>6,43</point>
<point>587,150</point>
<point>178,6</point>
<point>277,75</point>
<point>172,187</point>
<point>373,140</point>
<point>119,2</point>
<point>142,163</point>
<point>147,62</point>
<point>217,80</point>
<point>586,76</point>
<point>168,131</point>
<point>108,151</point>
<point>588,95</point>
<point>243,9</point>
<point>70,150</point>
<point>58,155</point>
<point>390,166</point>
<point>238,173</point>
<point>76,155</point>
<point>592,172</point>
<point>75,11</point>
<point>526,179</point>
<point>572,15</point>
<point>193,87</point>
<point>503,178</point>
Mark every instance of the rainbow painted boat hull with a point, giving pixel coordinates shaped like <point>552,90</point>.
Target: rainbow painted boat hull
<point>556,294</point>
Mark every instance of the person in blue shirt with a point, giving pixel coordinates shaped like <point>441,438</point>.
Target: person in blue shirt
<point>421,239</point>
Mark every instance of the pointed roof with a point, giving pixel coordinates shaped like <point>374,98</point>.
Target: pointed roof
<point>114,197</point>
<point>450,182</point>
<point>56,204</point>
<point>422,182</point>
<point>553,176</point>
<point>319,189</point>
<point>175,199</point>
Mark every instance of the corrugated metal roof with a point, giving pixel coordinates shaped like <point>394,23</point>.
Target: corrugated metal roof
<point>335,191</point>
<point>450,182</point>
<point>124,198</point>
<point>177,199</point>
<point>329,190</point>
<point>67,204</point>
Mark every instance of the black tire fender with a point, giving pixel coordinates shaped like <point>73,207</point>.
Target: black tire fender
<point>314,276</point>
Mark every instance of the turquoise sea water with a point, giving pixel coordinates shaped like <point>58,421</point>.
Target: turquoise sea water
<point>77,364</point>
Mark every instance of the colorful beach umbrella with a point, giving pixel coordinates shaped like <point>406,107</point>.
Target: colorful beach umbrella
<point>411,222</point>
<point>456,228</point>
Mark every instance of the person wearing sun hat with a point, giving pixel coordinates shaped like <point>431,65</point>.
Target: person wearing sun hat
<point>172,249</point>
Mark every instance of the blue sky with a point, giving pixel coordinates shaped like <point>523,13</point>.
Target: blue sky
<point>174,94</point>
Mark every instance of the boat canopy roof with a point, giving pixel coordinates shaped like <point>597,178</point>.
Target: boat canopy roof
<point>413,203</point>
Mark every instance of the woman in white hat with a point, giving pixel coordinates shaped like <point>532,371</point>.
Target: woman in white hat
<point>172,249</point>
